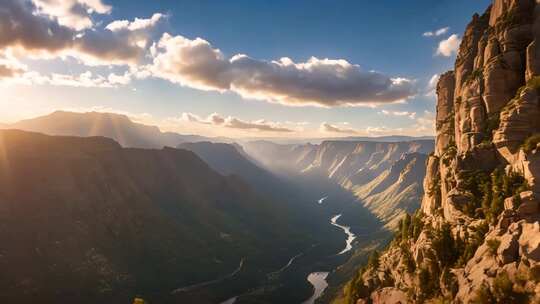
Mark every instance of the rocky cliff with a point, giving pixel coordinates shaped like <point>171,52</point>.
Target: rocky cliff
<point>476,237</point>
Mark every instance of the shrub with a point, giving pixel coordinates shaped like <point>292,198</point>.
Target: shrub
<point>493,245</point>
<point>534,83</point>
<point>483,296</point>
<point>530,143</point>
<point>373,260</point>
<point>503,290</point>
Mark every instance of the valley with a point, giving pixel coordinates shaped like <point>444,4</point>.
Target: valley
<point>319,230</point>
<point>261,152</point>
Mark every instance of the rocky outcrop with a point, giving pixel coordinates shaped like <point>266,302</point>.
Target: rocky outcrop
<point>476,237</point>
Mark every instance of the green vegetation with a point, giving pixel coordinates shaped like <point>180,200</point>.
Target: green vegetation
<point>409,228</point>
<point>530,143</point>
<point>493,245</point>
<point>492,124</point>
<point>489,191</point>
<point>449,154</point>
<point>534,83</point>
<point>474,75</point>
<point>471,242</point>
<point>373,260</point>
<point>502,291</point>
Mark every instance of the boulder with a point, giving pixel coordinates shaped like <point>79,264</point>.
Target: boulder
<point>508,250</point>
<point>529,241</point>
<point>529,204</point>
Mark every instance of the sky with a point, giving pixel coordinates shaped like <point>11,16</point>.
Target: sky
<point>306,68</point>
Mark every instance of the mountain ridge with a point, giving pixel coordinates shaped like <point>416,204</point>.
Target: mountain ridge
<point>115,222</point>
<point>353,165</point>
<point>116,126</point>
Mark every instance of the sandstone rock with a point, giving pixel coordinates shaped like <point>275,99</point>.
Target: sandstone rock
<point>497,9</point>
<point>529,204</point>
<point>492,49</point>
<point>454,201</point>
<point>509,248</point>
<point>498,54</point>
<point>529,241</point>
<point>500,82</point>
<point>507,217</point>
<point>430,202</point>
<point>445,111</point>
<point>517,122</point>
<point>533,61</point>
<point>389,295</point>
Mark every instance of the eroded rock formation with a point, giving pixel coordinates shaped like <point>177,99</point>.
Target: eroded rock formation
<point>476,237</point>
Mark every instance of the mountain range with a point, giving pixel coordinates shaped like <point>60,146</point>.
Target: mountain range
<point>385,176</point>
<point>87,221</point>
<point>116,126</point>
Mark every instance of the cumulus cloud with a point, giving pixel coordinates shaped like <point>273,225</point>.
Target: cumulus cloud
<point>75,14</point>
<point>330,128</point>
<point>449,46</point>
<point>7,71</point>
<point>45,29</point>
<point>425,124</point>
<point>422,124</point>
<point>323,82</point>
<point>82,80</point>
<point>411,115</point>
<point>431,87</point>
<point>235,123</point>
<point>24,26</point>
<point>135,25</point>
<point>438,32</point>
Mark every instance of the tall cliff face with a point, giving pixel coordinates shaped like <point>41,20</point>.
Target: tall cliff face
<point>476,237</point>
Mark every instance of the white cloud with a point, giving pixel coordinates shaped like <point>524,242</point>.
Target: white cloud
<point>449,46</point>
<point>75,14</point>
<point>33,33</point>
<point>137,24</point>
<point>322,82</point>
<point>83,80</point>
<point>411,115</point>
<point>438,32</point>
<point>48,29</point>
<point>423,125</point>
<point>432,86</point>
<point>235,123</point>
<point>332,128</point>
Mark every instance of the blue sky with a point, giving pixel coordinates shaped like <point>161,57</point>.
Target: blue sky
<point>383,36</point>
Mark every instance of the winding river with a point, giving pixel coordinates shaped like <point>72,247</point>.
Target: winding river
<point>318,279</point>
<point>199,285</point>
<point>347,230</point>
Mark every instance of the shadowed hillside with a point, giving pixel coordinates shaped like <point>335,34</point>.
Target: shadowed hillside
<point>86,221</point>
